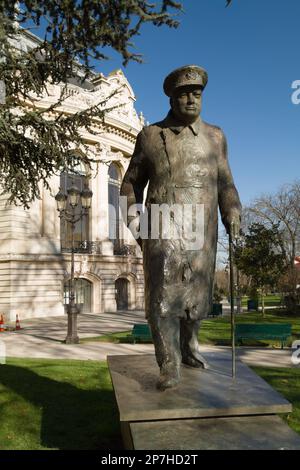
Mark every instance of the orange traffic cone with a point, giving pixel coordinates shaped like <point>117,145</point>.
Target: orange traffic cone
<point>18,324</point>
<point>1,323</point>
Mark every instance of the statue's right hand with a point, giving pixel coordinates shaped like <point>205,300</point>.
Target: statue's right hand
<point>134,227</point>
<point>140,242</point>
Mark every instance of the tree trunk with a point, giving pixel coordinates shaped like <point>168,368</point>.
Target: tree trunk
<point>263,302</point>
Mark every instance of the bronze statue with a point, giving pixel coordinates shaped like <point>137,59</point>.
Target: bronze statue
<point>184,160</point>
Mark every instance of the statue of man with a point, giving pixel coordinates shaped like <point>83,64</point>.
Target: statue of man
<point>184,160</point>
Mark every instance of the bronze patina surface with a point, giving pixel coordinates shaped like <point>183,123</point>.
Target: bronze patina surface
<point>208,393</point>
<point>184,160</point>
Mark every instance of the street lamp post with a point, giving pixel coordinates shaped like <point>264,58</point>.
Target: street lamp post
<point>69,215</point>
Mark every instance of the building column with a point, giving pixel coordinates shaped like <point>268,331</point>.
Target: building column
<point>101,216</point>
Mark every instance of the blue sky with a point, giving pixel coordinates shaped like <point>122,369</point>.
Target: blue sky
<point>251,52</point>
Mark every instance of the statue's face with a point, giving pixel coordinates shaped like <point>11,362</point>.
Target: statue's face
<point>186,103</point>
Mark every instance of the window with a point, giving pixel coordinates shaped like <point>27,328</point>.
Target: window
<point>83,294</point>
<point>114,184</point>
<point>75,176</point>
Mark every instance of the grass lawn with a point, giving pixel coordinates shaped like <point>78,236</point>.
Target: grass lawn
<point>57,404</point>
<point>63,404</point>
<point>217,330</point>
<point>270,301</point>
<point>287,382</point>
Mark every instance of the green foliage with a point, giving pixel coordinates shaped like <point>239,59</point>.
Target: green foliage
<point>259,256</point>
<point>81,28</point>
<point>218,294</point>
<point>35,143</point>
<point>253,293</point>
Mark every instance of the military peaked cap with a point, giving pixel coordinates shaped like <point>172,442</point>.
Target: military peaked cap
<point>186,75</point>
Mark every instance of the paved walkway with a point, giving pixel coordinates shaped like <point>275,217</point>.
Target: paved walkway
<point>89,325</point>
<point>42,338</point>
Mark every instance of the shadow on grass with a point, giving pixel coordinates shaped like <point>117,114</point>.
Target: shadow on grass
<point>71,418</point>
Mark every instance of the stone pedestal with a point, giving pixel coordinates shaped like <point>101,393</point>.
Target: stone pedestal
<point>207,410</point>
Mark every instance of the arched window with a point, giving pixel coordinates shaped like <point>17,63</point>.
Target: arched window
<point>83,294</point>
<point>114,184</point>
<point>74,176</point>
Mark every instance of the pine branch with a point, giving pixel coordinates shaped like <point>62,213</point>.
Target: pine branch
<point>35,142</point>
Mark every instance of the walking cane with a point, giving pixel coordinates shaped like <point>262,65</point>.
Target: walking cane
<point>232,304</point>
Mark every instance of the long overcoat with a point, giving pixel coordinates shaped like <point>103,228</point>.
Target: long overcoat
<point>184,166</point>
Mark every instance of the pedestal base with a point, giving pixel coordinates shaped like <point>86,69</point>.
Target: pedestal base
<point>234,433</point>
<point>174,419</point>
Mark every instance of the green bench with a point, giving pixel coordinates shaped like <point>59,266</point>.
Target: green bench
<point>263,331</point>
<point>141,333</point>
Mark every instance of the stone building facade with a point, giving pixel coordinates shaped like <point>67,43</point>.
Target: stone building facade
<point>34,250</point>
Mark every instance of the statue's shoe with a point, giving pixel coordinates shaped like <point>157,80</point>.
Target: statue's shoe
<point>195,360</point>
<point>165,382</point>
<point>169,377</point>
